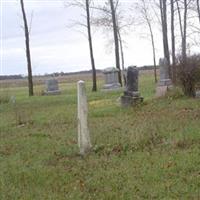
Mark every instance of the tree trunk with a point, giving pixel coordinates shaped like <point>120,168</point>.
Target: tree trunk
<point>28,54</point>
<point>184,42</point>
<point>180,20</point>
<point>122,57</point>
<point>94,87</point>
<point>183,28</point>
<point>116,41</point>
<point>198,9</point>
<point>153,49</point>
<point>173,43</point>
<point>163,10</point>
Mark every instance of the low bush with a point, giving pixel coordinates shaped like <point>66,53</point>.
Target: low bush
<point>188,74</point>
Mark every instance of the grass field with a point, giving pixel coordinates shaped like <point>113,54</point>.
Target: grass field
<point>151,151</point>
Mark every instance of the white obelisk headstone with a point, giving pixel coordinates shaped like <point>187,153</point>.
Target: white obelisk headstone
<point>83,131</point>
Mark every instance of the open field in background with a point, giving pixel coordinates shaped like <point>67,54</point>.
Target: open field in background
<point>61,79</point>
<point>41,80</point>
<point>151,151</point>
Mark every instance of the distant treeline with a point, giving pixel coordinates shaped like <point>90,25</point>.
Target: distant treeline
<point>6,77</point>
<point>56,74</point>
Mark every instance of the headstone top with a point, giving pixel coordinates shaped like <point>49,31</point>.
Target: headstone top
<point>81,82</point>
<point>110,70</point>
<point>132,66</point>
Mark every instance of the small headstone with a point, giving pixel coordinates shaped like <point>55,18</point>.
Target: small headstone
<point>13,99</point>
<point>197,94</point>
<point>84,142</point>
<point>111,79</point>
<point>131,94</point>
<point>165,82</point>
<point>52,87</point>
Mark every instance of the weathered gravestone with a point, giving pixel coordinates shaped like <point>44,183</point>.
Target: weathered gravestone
<point>164,73</point>
<point>197,95</point>
<point>111,79</point>
<point>165,82</point>
<point>52,87</point>
<point>131,94</point>
<point>84,142</point>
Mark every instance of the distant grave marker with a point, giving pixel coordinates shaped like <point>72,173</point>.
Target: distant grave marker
<point>165,82</point>
<point>197,95</point>
<point>52,87</point>
<point>111,79</point>
<point>164,73</point>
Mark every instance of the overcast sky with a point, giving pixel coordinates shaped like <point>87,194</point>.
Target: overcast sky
<point>55,47</point>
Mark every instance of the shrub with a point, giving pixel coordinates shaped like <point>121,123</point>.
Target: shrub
<point>188,74</point>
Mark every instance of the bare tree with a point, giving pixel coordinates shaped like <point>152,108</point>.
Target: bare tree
<point>94,87</point>
<point>163,12</point>
<point>183,23</point>
<point>122,55</point>
<point>115,33</point>
<point>198,10</point>
<point>28,54</point>
<point>173,42</point>
<point>123,24</point>
<point>85,5</point>
<point>184,36</point>
<point>146,17</point>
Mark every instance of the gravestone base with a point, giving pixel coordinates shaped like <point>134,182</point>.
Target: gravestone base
<point>130,101</point>
<point>132,93</point>
<point>56,92</point>
<point>165,82</point>
<point>110,87</point>
<point>162,90</point>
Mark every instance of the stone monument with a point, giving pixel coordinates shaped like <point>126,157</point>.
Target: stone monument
<point>111,79</point>
<point>165,82</point>
<point>84,142</point>
<point>131,94</point>
<point>52,87</point>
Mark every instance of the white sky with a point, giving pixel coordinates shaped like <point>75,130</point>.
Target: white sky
<point>56,48</point>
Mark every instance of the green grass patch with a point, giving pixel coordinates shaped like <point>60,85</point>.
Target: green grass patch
<point>151,151</point>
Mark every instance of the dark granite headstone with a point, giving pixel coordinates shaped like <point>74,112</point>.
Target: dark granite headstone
<point>132,82</point>
<point>131,94</point>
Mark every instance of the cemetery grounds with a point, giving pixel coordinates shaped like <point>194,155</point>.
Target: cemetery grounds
<point>151,151</point>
